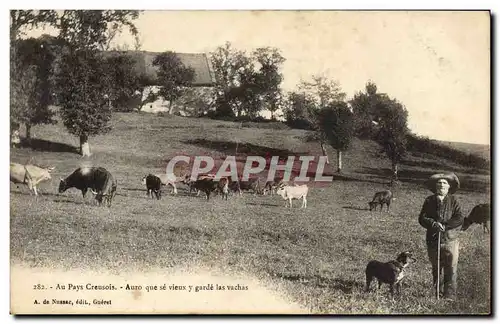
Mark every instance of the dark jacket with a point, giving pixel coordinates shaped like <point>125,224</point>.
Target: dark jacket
<point>447,212</point>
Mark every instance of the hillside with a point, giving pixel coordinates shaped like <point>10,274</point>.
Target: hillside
<point>153,140</point>
<point>481,150</point>
<point>314,257</point>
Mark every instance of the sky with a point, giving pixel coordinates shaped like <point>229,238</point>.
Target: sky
<point>437,63</point>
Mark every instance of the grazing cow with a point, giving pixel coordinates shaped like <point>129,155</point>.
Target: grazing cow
<point>99,180</point>
<point>187,180</point>
<point>293,192</point>
<point>480,214</point>
<point>381,198</point>
<point>29,174</point>
<point>272,186</point>
<point>153,185</point>
<point>251,184</point>
<point>206,185</point>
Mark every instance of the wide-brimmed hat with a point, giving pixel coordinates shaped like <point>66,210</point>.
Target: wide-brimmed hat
<point>450,177</point>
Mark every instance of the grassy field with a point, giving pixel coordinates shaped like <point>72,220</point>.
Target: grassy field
<point>318,255</point>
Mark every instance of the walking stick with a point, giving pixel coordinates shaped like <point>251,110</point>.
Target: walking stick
<point>438,264</point>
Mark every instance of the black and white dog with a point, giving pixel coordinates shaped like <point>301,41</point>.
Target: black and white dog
<point>391,272</point>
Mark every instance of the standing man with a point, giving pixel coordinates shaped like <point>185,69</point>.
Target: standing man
<point>441,212</point>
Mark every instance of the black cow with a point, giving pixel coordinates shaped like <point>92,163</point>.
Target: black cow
<point>153,185</point>
<point>206,185</point>
<point>99,180</point>
<point>480,214</point>
<point>187,180</point>
<point>381,198</point>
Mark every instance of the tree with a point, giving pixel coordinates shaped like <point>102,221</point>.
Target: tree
<point>172,76</point>
<point>300,111</point>
<point>275,101</point>
<point>196,101</point>
<point>22,19</point>
<point>114,29</point>
<point>247,84</point>
<point>137,42</point>
<point>31,68</point>
<point>384,120</point>
<point>364,106</point>
<point>269,77</point>
<point>22,89</point>
<point>56,48</point>
<point>336,123</point>
<point>29,72</point>
<point>82,81</point>
<point>322,90</point>
<point>82,87</point>
<point>246,95</point>
<point>235,81</point>
<point>124,83</point>
<point>393,130</point>
<point>226,65</point>
<point>91,29</point>
<point>308,101</point>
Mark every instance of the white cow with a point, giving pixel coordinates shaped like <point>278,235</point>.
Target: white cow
<point>293,192</point>
<point>29,174</point>
<point>168,180</point>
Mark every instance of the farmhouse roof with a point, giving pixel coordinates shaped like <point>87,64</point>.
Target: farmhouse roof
<point>199,62</point>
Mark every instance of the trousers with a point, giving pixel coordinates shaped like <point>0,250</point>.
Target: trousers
<point>448,263</point>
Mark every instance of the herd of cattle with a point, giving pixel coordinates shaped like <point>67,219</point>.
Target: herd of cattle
<point>208,184</point>
<point>103,185</point>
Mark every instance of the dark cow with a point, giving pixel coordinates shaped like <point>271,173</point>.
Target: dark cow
<point>206,185</point>
<point>100,182</point>
<point>480,214</point>
<point>240,186</point>
<point>153,185</point>
<point>187,180</point>
<point>381,198</point>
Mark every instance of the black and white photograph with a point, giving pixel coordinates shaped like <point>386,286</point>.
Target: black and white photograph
<point>297,162</point>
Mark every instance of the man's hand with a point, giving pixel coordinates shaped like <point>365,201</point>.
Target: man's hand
<point>438,226</point>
